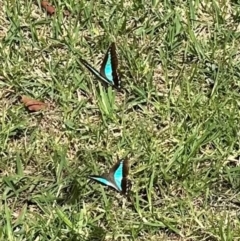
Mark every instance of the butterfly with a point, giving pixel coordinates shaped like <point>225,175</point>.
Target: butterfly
<point>116,177</point>
<point>108,71</point>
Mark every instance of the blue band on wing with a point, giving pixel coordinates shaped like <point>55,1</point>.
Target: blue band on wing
<point>108,69</point>
<point>103,181</point>
<point>118,176</point>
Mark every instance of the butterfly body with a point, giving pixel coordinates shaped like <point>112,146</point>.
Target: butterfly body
<point>116,177</point>
<point>108,71</point>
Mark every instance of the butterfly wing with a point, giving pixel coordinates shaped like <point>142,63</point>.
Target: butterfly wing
<point>120,172</point>
<point>103,180</point>
<point>109,66</point>
<point>93,71</point>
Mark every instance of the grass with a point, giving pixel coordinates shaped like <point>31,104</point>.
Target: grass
<point>177,116</point>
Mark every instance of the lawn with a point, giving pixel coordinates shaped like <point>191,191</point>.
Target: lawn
<point>176,118</point>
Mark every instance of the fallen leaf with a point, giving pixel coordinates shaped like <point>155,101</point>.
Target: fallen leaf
<point>32,104</point>
<point>48,7</point>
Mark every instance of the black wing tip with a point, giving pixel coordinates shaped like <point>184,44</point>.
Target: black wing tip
<point>126,186</point>
<point>113,44</point>
<point>83,61</point>
<point>93,176</point>
<point>90,177</point>
<point>117,86</point>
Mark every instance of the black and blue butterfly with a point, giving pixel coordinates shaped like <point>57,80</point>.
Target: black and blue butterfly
<point>116,177</point>
<point>108,71</point>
